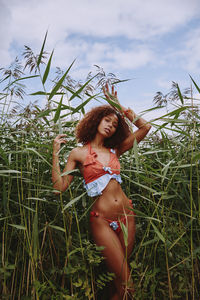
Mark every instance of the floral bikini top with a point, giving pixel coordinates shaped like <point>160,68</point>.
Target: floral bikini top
<point>96,176</point>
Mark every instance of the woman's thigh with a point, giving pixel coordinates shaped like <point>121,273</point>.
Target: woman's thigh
<point>113,251</point>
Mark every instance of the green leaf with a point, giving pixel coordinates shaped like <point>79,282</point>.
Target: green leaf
<point>57,114</point>
<point>44,113</point>
<point>74,171</point>
<point>73,201</point>
<point>71,91</point>
<point>18,226</point>
<point>5,218</point>
<point>59,83</point>
<point>153,241</point>
<point>81,88</point>
<point>113,103</point>
<point>9,172</point>
<point>39,93</point>
<point>184,166</point>
<point>38,154</point>
<point>198,89</point>
<point>22,78</point>
<point>46,73</point>
<point>27,207</point>
<point>141,185</point>
<point>42,49</point>
<point>57,228</point>
<point>165,169</point>
<point>176,120</point>
<point>64,106</point>
<point>125,233</point>
<point>161,237</point>
<point>179,93</point>
<point>82,105</point>
<point>38,199</point>
<point>151,109</point>
<point>172,113</point>
<point>119,81</point>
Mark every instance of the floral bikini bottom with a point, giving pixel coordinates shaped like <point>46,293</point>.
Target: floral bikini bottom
<point>115,225</point>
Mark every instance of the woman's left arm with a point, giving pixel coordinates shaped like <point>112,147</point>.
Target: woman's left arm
<point>143,128</point>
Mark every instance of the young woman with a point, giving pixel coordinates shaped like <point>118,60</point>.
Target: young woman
<point>105,136</point>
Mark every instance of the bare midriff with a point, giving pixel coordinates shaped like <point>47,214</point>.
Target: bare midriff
<point>113,203</point>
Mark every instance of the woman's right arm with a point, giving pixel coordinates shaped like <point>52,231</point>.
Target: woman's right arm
<point>60,182</point>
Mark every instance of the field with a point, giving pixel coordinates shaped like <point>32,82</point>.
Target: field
<point>46,248</point>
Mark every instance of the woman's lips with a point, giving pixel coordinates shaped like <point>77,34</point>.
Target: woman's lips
<point>107,130</point>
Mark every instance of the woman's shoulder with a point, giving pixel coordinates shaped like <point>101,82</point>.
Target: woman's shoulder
<point>79,152</point>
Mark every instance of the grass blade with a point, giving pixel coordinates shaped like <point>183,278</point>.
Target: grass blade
<point>60,82</point>
<point>73,201</point>
<point>81,89</point>
<point>179,93</point>
<point>57,114</point>
<point>42,49</point>
<point>198,89</point>
<point>161,237</point>
<point>46,73</point>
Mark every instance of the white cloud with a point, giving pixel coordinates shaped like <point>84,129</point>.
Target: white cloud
<point>117,35</point>
<point>5,33</point>
<point>132,58</point>
<point>190,53</point>
<point>164,83</point>
<point>25,22</point>
<point>109,56</point>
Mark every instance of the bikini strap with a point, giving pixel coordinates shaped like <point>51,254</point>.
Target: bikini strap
<point>90,150</point>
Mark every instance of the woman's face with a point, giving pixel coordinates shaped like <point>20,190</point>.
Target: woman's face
<point>108,125</point>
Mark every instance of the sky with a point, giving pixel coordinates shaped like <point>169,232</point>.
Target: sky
<point>150,42</point>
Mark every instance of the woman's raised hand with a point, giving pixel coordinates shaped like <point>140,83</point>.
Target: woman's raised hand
<point>110,95</point>
<point>60,139</point>
<point>129,113</point>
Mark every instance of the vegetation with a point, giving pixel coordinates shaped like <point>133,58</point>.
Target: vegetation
<point>45,244</point>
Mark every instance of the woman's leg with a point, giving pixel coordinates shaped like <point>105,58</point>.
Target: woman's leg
<point>113,252</point>
<point>130,224</point>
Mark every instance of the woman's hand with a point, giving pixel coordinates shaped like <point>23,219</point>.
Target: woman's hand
<point>60,139</point>
<point>113,97</point>
<point>129,113</point>
<point>110,95</point>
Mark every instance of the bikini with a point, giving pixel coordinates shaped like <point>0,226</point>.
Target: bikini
<point>96,175</point>
<point>96,178</point>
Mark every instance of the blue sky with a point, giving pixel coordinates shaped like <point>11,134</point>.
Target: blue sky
<point>152,42</point>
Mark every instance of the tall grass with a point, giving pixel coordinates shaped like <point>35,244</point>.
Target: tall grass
<point>46,247</point>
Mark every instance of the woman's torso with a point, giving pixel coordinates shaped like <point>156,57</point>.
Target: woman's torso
<point>112,202</point>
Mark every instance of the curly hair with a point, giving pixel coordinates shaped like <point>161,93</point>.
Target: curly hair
<point>86,128</point>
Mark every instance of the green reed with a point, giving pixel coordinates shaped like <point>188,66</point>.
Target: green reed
<point>46,248</point>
